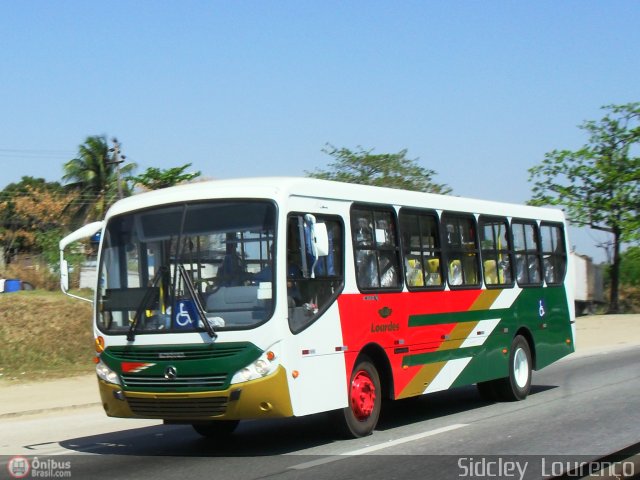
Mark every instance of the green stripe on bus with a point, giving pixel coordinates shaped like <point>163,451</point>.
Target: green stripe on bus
<point>457,317</point>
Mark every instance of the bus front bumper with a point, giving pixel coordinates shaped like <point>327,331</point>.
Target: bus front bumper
<point>266,397</point>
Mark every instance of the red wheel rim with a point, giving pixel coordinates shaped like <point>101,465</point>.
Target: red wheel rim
<point>363,395</point>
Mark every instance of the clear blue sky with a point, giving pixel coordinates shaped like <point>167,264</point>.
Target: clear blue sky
<point>478,91</point>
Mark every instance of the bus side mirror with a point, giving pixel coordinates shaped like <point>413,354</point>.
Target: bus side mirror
<point>321,239</point>
<point>83,232</point>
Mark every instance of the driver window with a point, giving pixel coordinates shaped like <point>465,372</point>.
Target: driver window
<point>309,295</point>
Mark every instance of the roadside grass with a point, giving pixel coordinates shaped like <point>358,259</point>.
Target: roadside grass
<point>630,299</point>
<point>44,335</point>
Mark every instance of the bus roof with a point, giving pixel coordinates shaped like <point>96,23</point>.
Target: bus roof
<point>280,188</point>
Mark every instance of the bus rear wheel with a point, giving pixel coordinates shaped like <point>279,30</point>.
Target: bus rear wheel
<point>216,429</point>
<point>365,401</point>
<point>518,384</point>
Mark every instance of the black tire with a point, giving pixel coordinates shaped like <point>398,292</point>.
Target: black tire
<point>518,384</point>
<point>216,429</point>
<point>360,418</point>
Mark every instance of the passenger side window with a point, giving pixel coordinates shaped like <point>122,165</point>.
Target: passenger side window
<point>375,248</point>
<point>525,245</point>
<point>554,255</point>
<point>497,258</point>
<point>460,244</point>
<point>421,249</point>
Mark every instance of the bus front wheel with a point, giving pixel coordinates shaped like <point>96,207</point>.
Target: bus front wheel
<point>365,401</point>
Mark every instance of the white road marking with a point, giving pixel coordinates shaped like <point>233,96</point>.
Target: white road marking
<point>375,448</point>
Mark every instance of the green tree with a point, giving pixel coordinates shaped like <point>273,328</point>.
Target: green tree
<point>392,170</point>
<point>599,184</point>
<point>155,178</point>
<point>630,266</point>
<point>93,174</point>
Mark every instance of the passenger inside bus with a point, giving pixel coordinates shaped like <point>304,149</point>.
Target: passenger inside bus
<point>266,274</point>
<point>293,272</point>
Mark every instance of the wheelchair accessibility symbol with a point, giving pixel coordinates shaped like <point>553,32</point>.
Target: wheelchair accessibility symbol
<point>185,315</point>
<point>541,311</point>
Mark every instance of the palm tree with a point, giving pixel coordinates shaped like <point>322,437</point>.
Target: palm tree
<point>94,176</point>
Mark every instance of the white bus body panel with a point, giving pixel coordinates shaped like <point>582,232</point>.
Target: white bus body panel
<point>321,384</point>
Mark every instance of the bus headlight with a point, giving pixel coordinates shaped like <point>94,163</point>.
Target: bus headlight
<point>106,374</point>
<point>263,366</point>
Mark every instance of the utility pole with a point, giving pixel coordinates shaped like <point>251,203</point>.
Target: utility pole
<point>116,160</point>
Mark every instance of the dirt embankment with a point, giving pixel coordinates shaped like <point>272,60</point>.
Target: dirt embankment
<point>43,335</point>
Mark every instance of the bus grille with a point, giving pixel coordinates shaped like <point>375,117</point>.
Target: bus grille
<point>208,381</point>
<point>174,354</point>
<point>178,407</point>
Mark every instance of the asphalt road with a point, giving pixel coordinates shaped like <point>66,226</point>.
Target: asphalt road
<point>581,408</point>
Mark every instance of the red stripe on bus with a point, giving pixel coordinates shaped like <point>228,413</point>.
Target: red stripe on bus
<point>383,319</point>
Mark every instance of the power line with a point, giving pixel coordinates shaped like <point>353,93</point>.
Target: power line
<point>33,150</point>
<point>84,197</point>
<point>33,153</point>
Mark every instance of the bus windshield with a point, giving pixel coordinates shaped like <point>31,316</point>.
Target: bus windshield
<point>170,269</point>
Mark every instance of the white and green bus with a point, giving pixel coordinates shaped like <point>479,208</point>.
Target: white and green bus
<point>275,297</point>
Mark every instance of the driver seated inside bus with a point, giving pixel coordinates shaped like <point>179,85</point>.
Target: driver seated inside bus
<point>232,272</point>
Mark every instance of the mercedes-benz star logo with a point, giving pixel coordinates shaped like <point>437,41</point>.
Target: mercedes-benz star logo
<point>170,373</point>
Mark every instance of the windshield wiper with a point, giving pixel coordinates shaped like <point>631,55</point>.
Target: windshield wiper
<point>196,300</point>
<point>150,293</point>
<point>142,306</point>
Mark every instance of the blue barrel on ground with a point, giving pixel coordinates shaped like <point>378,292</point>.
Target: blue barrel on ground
<point>12,285</point>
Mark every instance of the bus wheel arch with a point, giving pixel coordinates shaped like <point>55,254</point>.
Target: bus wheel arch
<point>368,384</point>
<point>378,357</point>
<point>528,336</point>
